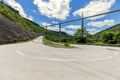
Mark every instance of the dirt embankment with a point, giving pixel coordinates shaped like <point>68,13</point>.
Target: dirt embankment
<point>11,32</point>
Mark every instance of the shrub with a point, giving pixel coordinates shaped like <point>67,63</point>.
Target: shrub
<point>107,37</point>
<point>66,44</point>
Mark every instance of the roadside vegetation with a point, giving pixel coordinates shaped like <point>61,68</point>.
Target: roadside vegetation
<point>108,37</point>
<point>56,44</point>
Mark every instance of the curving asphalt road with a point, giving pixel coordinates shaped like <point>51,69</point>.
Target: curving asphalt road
<point>35,61</point>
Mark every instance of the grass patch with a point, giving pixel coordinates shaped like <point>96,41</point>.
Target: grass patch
<point>56,45</point>
<point>103,44</point>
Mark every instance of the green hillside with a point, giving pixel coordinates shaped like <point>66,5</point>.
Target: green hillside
<point>115,28</point>
<point>13,16</point>
<point>109,36</point>
<point>14,28</point>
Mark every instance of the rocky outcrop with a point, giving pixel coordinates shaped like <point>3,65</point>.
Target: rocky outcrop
<point>11,32</point>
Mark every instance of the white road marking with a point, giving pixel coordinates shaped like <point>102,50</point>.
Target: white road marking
<point>106,58</point>
<point>69,60</point>
<point>48,59</point>
<point>20,53</point>
<point>52,59</point>
<point>115,52</point>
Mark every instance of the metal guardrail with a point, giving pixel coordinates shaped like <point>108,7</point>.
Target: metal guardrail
<point>83,18</point>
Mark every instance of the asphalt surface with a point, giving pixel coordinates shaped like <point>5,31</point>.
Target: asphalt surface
<point>35,61</point>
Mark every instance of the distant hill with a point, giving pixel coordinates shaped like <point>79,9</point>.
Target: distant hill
<point>14,28</point>
<point>115,28</point>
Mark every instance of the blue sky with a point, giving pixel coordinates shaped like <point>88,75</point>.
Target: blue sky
<point>54,11</point>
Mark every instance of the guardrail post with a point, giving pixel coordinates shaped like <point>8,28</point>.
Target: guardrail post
<point>59,29</point>
<point>82,28</point>
<point>46,26</point>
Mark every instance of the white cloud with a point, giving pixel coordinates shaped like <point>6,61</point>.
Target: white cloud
<point>107,23</point>
<point>30,18</point>
<point>54,22</point>
<point>95,7</point>
<point>16,6</point>
<point>34,11</point>
<point>58,9</point>
<point>45,24</point>
<point>93,30</point>
<point>70,32</point>
<point>54,28</point>
<point>73,27</point>
<point>19,8</point>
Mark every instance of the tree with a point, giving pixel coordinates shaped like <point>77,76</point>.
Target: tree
<point>118,40</point>
<point>1,1</point>
<point>108,37</point>
<point>81,36</point>
<point>117,37</point>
